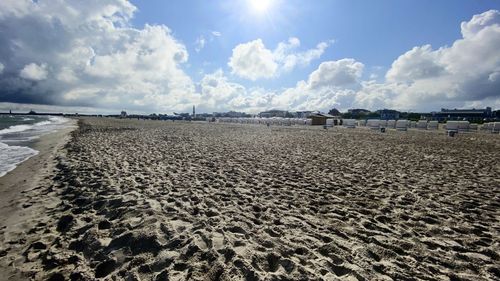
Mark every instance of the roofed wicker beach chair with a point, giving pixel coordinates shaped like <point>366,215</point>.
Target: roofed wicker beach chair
<point>391,124</point>
<point>452,128</point>
<point>463,126</point>
<point>422,124</point>
<point>349,123</point>
<point>383,123</point>
<point>432,125</point>
<point>373,124</point>
<point>402,125</point>
<point>495,128</point>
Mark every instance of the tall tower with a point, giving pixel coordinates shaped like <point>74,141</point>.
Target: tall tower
<point>194,112</point>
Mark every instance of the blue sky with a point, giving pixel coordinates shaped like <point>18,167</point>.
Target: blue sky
<point>374,32</point>
<point>149,56</point>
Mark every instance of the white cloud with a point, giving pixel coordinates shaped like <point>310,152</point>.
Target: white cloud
<point>480,22</point>
<point>92,57</point>
<point>34,72</point>
<point>341,73</point>
<point>200,43</point>
<point>464,73</point>
<point>216,89</point>
<point>467,73</point>
<point>87,54</point>
<point>418,63</point>
<point>289,59</point>
<point>253,61</point>
<point>203,40</point>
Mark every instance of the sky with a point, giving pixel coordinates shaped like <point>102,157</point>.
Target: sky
<point>155,56</point>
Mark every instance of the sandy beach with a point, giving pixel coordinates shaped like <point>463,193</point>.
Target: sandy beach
<point>157,200</point>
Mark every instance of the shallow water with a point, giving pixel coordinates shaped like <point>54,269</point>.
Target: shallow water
<point>17,133</point>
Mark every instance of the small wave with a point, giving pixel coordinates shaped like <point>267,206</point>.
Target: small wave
<point>27,119</point>
<point>15,129</point>
<point>53,121</point>
<point>11,156</point>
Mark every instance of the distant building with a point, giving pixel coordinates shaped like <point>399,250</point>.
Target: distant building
<point>302,114</point>
<point>273,113</point>
<point>194,112</point>
<point>389,114</point>
<point>32,112</point>
<point>461,114</point>
<point>184,115</point>
<point>358,112</point>
<point>320,118</point>
<point>123,114</point>
<point>232,114</point>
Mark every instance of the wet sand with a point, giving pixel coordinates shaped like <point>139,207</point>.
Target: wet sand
<point>17,212</point>
<point>156,200</point>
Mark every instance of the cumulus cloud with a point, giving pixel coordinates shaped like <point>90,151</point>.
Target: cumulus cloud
<point>418,63</point>
<point>34,72</point>
<point>86,54</point>
<point>286,54</point>
<point>479,22</point>
<point>339,73</point>
<point>465,72</point>
<point>253,61</point>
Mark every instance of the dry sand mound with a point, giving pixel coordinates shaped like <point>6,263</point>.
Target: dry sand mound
<point>158,200</point>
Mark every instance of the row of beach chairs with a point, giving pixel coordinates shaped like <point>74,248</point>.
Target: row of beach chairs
<point>403,125</point>
<point>375,124</point>
<point>275,121</point>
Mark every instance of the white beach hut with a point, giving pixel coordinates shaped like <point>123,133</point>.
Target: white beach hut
<point>349,123</point>
<point>402,125</point>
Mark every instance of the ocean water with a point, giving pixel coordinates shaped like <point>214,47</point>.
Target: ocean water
<point>17,134</point>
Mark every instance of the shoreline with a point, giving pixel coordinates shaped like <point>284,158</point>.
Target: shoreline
<point>16,183</point>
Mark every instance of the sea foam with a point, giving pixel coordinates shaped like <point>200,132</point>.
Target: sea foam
<point>13,138</point>
<point>12,155</point>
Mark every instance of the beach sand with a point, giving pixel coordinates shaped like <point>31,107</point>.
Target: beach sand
<point>17,189</point>
<point>157,200</point>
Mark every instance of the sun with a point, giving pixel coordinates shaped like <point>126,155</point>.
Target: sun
<point>260,6</point>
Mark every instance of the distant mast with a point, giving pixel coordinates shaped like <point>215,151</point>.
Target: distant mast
<point>194,112</point>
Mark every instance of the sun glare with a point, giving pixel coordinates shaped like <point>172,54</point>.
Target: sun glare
<point>260,5</point>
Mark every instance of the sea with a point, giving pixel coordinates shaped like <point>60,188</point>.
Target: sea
<point>18,134</point>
